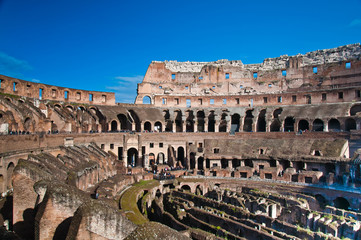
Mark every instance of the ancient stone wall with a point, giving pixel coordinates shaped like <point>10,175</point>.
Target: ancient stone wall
<point>14,86</point>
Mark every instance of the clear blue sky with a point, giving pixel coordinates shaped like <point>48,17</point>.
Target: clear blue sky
<point>108,45</point>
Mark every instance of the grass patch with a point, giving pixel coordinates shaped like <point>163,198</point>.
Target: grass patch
<point>128,201</point>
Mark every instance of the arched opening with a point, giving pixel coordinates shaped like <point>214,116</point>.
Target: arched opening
<point>275,126</point>
<point>147,126</point>
<point>211,122</point>
<point>199,190</point>
<point>114,126</point>
<point>27,124</point>
<point>208,163</point>
<point>317,125</point>
<point>147,100</point>
<point>236,163</point>
<point>125,124</point>
<point>180,156</point>
<point>192,160</point>
<point>261,123</point>
<point>200,121</point>
<point>178,121</point>
<point>355,109</point>
<point>168,122</point>
<point>277,112</point>
<point>223,123</point>
<point>334,125</point>
<point>248,121</point>
<point>200,163</point>
<point>350,124</point>
<point>186,188</point>
<point>132,157</point>
<point>342,203</point>
<point>158,126</point>
<point>190,122</point>
<point>303,125</point>
<point>248,163</point>
<point>236,121</point>
<point>285,164</point>
<point>135,120</point>
<point>160,158</point>
<point>9,174</point>
<point>224,163</point>
<point>289,124</point>
<point>151,159</point>
<point>321,200</point>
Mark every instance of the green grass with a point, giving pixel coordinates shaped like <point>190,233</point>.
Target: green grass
<point>128,201</point>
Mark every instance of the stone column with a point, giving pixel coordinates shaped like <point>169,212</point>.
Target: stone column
<point>196,126</point>
<point>216,126</point>
<point>206,126</point>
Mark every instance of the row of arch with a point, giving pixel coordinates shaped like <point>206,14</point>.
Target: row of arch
<point>276,125</point>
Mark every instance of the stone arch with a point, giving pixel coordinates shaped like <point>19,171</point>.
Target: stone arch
<point>180,156</point>
<point>289,124</point>
<point>275,126</point>
<point>147,100</point>
<point>135,120</point>
<point>114,126</point>
<point>70,108</point>
<point>27,124</point>
<point>211,122</point>
<point>236,122</point>
<point>350,124</point>
<point>224,163</point>
<point>151,158</point>
<point>168,121</point>
<point>178,121</point>
<point>321,200</point>
<point>160,158</point>
<point>190,122</point>
<point>248,121</point>
<point>158,126</point>
<point>200,121</point>
<point>199,190</point>
<point>192,160</point>
<point>200,163</point>
<point>355,109</point>
<point>186,188</point>
<point>303,125</point>
<point>317,125</point>
<point>147,126</point>
<point>334,125</point>
<point>124,122</point>
<point>342,203</point>
<point>223,123</point>
<point>132,159</point>
<point>9,174</point>
<point>261,122</point>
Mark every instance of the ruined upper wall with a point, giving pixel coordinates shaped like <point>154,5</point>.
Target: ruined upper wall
<point>319,57</point>
<point>14,86</point>
<point>320,70</point>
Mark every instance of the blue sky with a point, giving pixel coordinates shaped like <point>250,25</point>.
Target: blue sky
<point>108,45</point>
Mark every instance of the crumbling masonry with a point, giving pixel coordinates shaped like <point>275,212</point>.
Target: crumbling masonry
<point>237,151</point>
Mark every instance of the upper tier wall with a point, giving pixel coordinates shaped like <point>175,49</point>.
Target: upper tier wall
<point>322,69</point>
<point>42,91</point>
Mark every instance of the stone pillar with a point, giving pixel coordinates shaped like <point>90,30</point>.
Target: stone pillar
<point>325,126</point>
<point>196,126</point>
<point>206,126</point>
<point>174,127</point>
<point>216,126</point>
<point>141,127</point>
<point>229,123</point>
<point>164,125</point>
